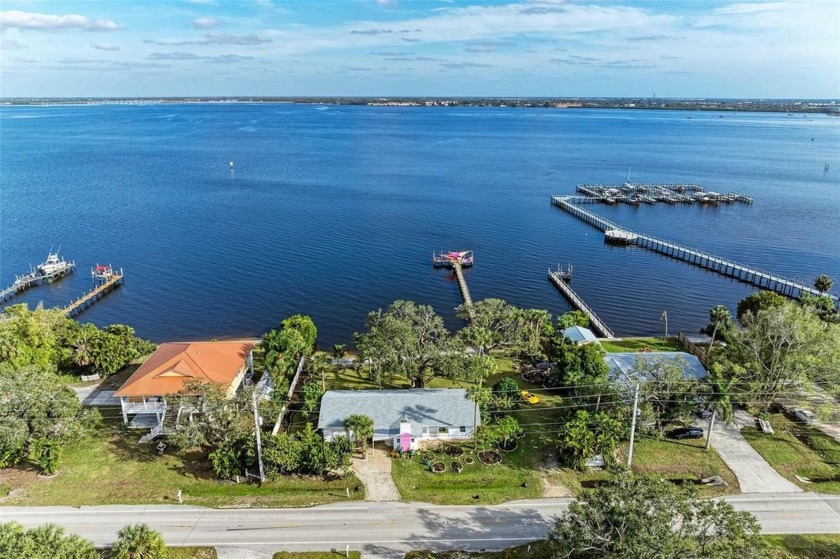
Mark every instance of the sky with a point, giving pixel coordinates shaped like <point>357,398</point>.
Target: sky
<point>524,48</point>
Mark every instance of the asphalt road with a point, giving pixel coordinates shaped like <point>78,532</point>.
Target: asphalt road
<point>386,529</point>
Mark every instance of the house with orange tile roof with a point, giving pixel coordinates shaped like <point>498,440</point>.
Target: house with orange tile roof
<point>143,396</point>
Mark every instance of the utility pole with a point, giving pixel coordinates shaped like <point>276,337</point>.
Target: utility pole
<point>633,426</point>
<point>665,318</point>
<point>257,431</point>
<point>711,426</point>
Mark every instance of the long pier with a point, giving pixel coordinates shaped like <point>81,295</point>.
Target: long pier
<point>465,291</point>
<point>745,274</point>
<point>84,302</point>
<point>595,321</point>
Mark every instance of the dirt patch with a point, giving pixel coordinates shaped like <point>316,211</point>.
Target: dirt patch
<point>550,472</point>
<point>15,480</point>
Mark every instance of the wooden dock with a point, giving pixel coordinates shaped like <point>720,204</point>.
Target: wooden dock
<point>84,302</point>
<point>465,291</point>
<point>745,274</point>
<point>556,277</point>
<point>22,283</point>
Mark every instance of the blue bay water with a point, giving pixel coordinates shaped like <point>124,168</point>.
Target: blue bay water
<point>334,211</point>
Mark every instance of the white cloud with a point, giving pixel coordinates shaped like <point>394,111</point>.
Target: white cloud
<point>105,46</point>
<point>44,22</point>
<point>11,44</point>
<point>205,23</point>
<point>751,7</point>
<point>228,39</point>
<point>221,58</point>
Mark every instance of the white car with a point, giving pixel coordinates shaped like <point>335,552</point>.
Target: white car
<point>805,416</point>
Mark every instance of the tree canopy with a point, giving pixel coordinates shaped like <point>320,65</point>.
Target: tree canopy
<point>589,435</point>
<point>577,364</point>
<point>39,414</point>
<point>642,518</point>
<point>138,541</point>
<point>284,346</point>
<point>781,348</point>
<point>44,542</point>
<point>407,340</point>
<point>666,395</point>
<point>47,339</point>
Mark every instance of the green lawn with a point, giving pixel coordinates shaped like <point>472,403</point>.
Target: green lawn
<point>513,478</point>
<point>673,460</point>
<point>109,467</point>
<point>315,555</point>
<point>635,344</point>
<point>680,460</point>
<point>796,449</point>
<point>789,546</point>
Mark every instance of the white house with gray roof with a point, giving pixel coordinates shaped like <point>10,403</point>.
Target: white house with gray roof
<point>402,418</point>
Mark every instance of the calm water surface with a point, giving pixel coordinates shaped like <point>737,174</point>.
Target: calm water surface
<point>335,211</point>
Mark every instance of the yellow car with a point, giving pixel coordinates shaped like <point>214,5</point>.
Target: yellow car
<point>530,398</point>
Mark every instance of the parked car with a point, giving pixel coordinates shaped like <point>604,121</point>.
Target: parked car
<point>530,398</point>
<point>805,416</point>
<point>686,433</point>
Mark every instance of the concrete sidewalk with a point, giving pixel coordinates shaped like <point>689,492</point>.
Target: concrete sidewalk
<point>754,474</point>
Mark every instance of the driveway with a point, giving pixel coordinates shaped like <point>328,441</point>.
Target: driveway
<point>754,474</point>
<point>375,474</point>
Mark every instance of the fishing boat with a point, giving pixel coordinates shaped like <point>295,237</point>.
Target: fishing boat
<point>54,266</point>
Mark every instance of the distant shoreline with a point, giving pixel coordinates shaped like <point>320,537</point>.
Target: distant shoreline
<point>822,106</point>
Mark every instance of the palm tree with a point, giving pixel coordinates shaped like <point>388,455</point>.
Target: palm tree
<point>823,283</point>
<point>83,346</point>
<point>360,427</point>
<point>338,351</point>
<point>138,541</point>
<point>719,317</point>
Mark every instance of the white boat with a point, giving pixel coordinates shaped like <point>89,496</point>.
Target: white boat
<point>54,266</point>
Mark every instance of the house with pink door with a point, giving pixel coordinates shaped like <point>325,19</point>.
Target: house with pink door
<point>403,419</point>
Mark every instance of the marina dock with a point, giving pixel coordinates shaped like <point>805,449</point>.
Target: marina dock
<point>614,233</point>
<point>109,280</point>
<point>635,194</point>
<point>559,279</point>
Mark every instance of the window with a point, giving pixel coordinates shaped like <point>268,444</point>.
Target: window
<point>443,430</point>
<point>462,429</point>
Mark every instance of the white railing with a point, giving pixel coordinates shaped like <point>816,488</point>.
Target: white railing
<point>133,407</point>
